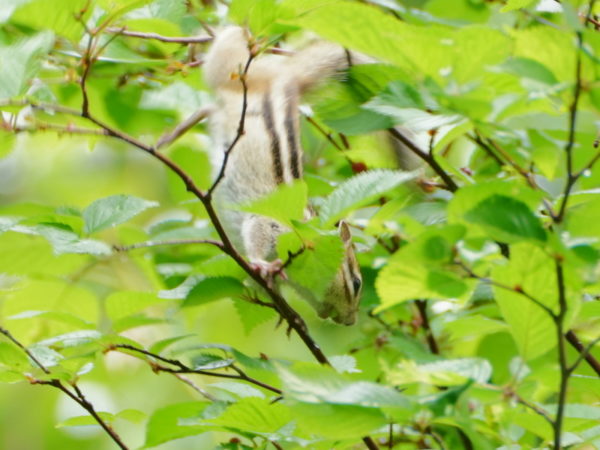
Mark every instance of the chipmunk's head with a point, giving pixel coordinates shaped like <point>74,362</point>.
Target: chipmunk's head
<point>342,297</point>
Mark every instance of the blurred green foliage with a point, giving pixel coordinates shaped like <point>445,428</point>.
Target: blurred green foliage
<point>486,89</point>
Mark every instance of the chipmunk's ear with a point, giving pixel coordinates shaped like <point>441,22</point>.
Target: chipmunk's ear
<point>344,231</point>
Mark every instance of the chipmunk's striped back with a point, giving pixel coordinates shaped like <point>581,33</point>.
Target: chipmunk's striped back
<point>269,152</point>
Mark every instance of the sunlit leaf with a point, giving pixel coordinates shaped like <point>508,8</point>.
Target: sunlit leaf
<point>114,210</point>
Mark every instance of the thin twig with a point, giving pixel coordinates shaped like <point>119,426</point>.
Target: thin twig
<point>429,159</point>
<point>422,307</point>
<point>583,354</point>
<point>576,343</point>
<point>147,244</point>
<point>59,129</point>
<point>562,353</point>
<point>183,127</point>
<point>571,177</point>
<point>14,340</point>
<point>184,369</point>
<point>240,130</point>
<point>515,289</point>
<point>158,37</point>
<point>479,141</point>
<point>78,397</point>
<point>195,387</point>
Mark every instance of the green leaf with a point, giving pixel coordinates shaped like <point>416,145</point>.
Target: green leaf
<point>13,357</point>
<point>382,36</point>
<point>211,289</point>
<point>359,191</point>
<point>533,270</point>
<point>55,15</point>
<point>72,339</point>
<point>126,303</point>
<point>423,269</point>
<point>114,210</point>
<point>80,421</point>
<point>529,68</point>
<point>164,424</point>
<point>258,14</point>
<point>239,390</point>
<point>450,372</point>
<point>468,198</point>
<point>516,4</point>
<point>7,142</point>
<point>344,363</point>
<point>313,270</point>
<point>54,315</point>
<point>340,422</point>
<point>285,204</point>
<point>8,7</point>
<point>577,411</point>
<point>583,219</point>
<point>310,383</point>
<point>159,346</point>
<point>252,315</point>
<point>65,241</point>
<point>10,376</point>
<point>131,415</point>
<point>507,219</point>
<point>21,61</point>
<point>254,415</point>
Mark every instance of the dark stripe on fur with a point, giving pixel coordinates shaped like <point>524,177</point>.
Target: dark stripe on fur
<point>275,147</point>
<point>290,127</point>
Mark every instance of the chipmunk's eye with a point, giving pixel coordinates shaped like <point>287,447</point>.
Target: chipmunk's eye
<point>356,284</point>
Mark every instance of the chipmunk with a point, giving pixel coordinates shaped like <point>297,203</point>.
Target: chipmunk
<point>269,152</point>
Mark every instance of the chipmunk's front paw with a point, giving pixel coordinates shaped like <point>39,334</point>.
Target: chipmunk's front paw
<point>268,269</point>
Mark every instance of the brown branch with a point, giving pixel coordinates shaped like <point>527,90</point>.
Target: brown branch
<point>14,340</point>
<point>195,387</point>
<point>240,130</point>
<point>526,174</point>
<point>584,353</point>
<point>516,289</point>
<point>479,141</point>
<point>182,368</point>
<point>428,158</point>
<point>147,244</point>
<point>422,307</point>
<point>183,127</point>
<point>576,343</point>
<point>325,133</point>
<point>559,321</point>
<point>571,177</point>
<point>78,397</point>
<point>59,129</point>
<point>158,37</point>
